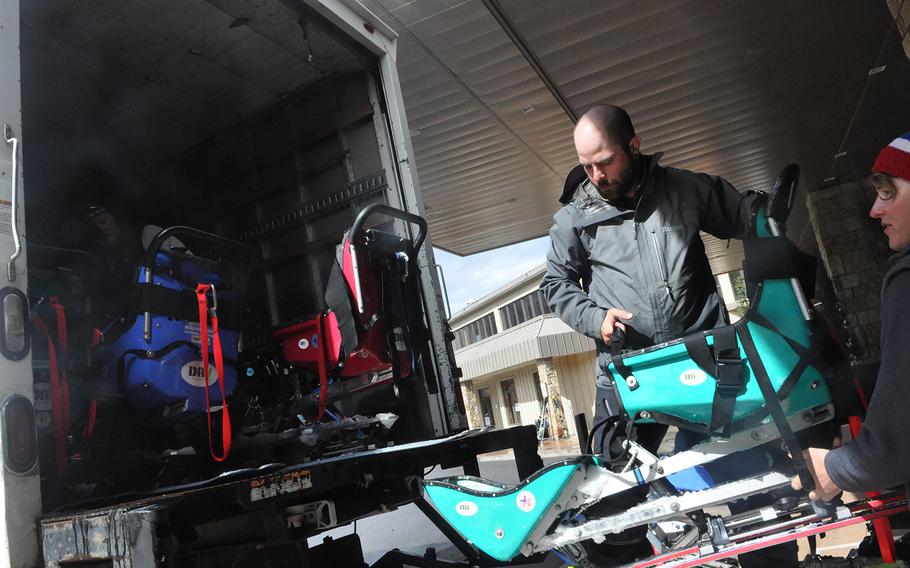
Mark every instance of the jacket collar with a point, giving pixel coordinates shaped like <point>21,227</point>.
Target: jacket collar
<point>572,188</point>
<point>900,257</point>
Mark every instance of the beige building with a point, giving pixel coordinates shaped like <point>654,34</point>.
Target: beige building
<point>514,354</point>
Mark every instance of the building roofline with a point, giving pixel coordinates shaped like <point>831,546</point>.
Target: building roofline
<point>486,302</point>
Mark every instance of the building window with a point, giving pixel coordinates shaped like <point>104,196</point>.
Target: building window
<point>475,331</point>
<point>487,414</point>
<point>523,309</point>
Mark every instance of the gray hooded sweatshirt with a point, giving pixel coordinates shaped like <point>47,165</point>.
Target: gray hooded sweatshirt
<point>648,260</point>
<point>879,457</point>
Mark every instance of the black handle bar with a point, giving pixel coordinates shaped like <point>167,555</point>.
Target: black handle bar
<point>148,259</point>
<point>618,341</point>
<point>357,227</point>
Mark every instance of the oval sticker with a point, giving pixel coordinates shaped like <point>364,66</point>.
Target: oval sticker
<point>303,343</point>
<point>693,377</point>
<point>194,374</point>
<point>466,508</point>
<point>525,501</point>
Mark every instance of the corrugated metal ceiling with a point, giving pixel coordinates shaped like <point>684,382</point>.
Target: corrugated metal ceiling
<point>737,89</point>
<point>117,81</point>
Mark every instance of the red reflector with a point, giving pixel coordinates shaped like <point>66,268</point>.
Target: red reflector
<point>20,447</point>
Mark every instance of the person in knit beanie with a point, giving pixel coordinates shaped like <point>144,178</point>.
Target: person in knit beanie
<point>891,180</point>
<point>879,457</point>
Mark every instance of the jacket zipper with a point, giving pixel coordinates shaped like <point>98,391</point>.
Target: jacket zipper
<point>660,263</point>
<point>635,222</point>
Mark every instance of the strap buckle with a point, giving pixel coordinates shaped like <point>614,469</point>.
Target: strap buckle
<point>209,290</point>
<point>214,305</point>
<point>729,372</point>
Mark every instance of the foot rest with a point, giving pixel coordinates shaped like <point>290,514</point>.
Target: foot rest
<point>499,519</point>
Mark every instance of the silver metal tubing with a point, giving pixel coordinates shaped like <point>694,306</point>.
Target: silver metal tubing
<point>14,198</point>
<point>794,283</point>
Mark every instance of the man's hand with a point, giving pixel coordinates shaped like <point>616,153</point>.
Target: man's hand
<point>614,318</point>
<point>825,489</point>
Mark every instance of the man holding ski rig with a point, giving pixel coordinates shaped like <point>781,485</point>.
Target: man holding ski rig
<point>626,253</point>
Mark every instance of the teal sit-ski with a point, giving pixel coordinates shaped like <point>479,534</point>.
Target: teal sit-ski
<point>739,386</point>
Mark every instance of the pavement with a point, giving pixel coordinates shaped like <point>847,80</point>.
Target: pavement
<point>548,448</point>
<point>565,447</point>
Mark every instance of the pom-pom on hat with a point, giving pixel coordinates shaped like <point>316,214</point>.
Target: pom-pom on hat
<point>894,159</point>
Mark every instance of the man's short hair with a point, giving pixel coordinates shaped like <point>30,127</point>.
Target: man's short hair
<point>613,122</point>
<point>878,179</point>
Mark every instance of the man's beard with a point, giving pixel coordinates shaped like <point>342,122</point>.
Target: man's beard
<point>620,189</point>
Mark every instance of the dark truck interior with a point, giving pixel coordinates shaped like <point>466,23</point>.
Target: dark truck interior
<point>256,127</point>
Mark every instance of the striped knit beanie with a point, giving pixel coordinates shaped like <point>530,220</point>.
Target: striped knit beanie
<point>894,159</point>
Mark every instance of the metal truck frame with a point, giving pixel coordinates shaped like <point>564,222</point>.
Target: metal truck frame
<point>144,532</point>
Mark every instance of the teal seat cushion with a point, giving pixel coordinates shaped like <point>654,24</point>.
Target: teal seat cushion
<point>499,519</point>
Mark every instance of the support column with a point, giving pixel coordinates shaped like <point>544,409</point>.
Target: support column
<point>854,254</point>
<point>470,404</point>
<point>726,291</point>
<point>550,379</point>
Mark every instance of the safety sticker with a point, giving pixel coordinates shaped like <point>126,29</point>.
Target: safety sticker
<point>6,217</point>
<point>275,485</point>
<point>191,329</point>
<point>693,377</point>
<point>525,501</point>
<point>42,396</point>
<point>466,508</point>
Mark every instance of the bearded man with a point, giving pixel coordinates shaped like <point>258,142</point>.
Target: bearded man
<point>626,252</point>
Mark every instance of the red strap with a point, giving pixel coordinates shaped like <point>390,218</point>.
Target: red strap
<point>881,526</point>
<point>91,419</point>
<point>63,343</point>
<point>323,372</point>
<point>201,291</point>
<point>60,426</point>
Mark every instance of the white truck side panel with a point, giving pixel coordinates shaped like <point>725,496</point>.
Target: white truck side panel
<point>20,498</point>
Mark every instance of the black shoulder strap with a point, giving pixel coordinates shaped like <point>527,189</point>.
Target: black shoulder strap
<point>181,304</point>
<point>337,300</point>
<point>726,367</point>
<point>699,351</point>
<point>616,357</point>
<point>772,403</point>
<point>729,375</point>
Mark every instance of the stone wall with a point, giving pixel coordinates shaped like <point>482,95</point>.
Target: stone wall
<point>902,19</point>
<point>470,404</point>
<point>853,252</point>
<point>550,377</point>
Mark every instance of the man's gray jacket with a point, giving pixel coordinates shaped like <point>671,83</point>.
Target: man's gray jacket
<point>649,260</point>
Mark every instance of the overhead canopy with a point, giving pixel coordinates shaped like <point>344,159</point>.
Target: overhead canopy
<point>730,88</point>
<point>539,338</point>
<point>491,89</point>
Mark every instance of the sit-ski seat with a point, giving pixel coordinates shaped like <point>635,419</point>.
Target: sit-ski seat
<point>734,377</point>
<point>499,519</point>
<point>156,361</point>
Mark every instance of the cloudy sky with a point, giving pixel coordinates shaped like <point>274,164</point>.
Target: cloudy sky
<point>469,278</point>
